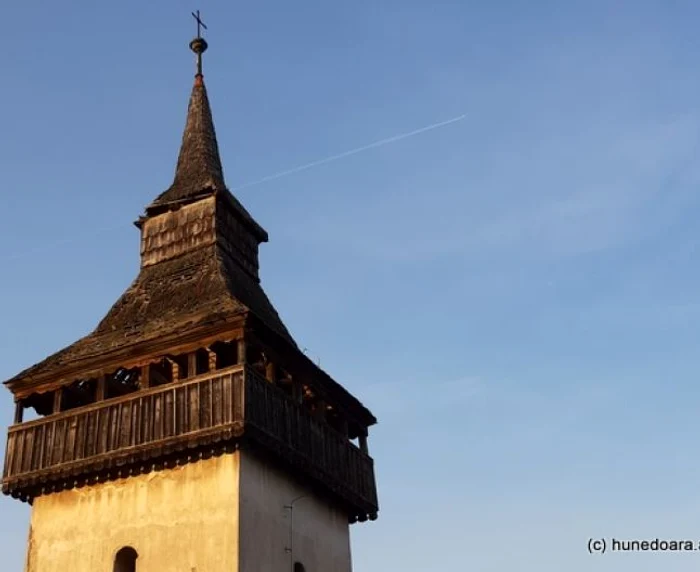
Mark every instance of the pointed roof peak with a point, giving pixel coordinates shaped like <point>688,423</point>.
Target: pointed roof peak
<point>199,169</point>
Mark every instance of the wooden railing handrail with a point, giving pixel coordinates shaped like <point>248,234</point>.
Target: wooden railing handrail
<point>123,398</point>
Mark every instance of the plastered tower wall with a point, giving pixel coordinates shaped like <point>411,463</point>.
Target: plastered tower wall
<point>321,532</point>
<point>183,519</point>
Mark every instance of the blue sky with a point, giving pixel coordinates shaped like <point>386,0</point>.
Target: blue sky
<point>515,295</point>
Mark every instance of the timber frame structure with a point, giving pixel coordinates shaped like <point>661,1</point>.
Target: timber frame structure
<point>192,361</point>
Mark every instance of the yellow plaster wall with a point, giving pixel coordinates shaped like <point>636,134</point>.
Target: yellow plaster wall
<point>183,519</point>
<point>321,532</point>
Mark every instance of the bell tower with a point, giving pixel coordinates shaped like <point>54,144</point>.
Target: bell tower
<point>187,431</point>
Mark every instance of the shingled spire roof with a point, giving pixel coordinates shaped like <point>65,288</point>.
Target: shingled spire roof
<point>199,170</point>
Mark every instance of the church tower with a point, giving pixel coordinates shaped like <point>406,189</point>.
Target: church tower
<point>188,432</point>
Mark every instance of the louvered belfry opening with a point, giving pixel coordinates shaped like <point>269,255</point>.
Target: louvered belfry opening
<point>192,360</point>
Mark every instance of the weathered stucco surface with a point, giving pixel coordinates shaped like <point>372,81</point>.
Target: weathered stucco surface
<point>321,532</point>
<point>190,519</point>
<point>183,519</point>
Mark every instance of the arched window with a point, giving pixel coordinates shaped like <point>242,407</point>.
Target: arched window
<point>125,560</point>
<point>299,567</point>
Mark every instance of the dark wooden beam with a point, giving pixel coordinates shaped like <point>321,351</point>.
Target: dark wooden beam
<point>19,411</point>
<point>57,398</point>
<point>146,376</point>
<point>191,364</point>
<point>101,391</point>
<point>241,347</point>
<point>363,443</point>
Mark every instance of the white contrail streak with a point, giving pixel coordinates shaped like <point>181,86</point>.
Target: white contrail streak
<point>374,145</point>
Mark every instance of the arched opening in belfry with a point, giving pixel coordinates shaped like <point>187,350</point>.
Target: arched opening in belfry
<point>299,567</point>
<point>125,560</point>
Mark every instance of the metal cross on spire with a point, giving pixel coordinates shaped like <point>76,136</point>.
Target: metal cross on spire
<point>199,44</point>
<point>200,24</point>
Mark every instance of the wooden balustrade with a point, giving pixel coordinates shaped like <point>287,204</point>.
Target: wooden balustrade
<point>143,427</point>
<point>280,423</point>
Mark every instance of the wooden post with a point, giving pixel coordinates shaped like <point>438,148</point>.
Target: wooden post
<point>101,392</point>
<point>212,359</point>
<point>191,364</point>
<point>146,376</point>
<point>19,411</point>
<point>270,373</point>
<point>241,350</point>
<point>175,369</point>
<point>57,398</point>
<point>363,442</point>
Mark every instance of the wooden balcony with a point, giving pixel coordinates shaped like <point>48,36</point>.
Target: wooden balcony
<point>181,422</point>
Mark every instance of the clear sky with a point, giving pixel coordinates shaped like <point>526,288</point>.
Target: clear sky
<point>516,295</point>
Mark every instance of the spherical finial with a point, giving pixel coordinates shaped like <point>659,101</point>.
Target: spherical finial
<point>199,46</point>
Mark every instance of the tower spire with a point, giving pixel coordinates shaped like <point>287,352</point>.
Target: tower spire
<point>199,169</point>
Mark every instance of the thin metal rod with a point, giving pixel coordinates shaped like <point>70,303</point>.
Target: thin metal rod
<point>290,548</point>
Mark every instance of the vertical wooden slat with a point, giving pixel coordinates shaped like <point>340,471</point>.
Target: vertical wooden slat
<point>41,447</point>
<point>181,410</point>
<point>9,455</point>
<point>238,396</point>
<point>50,439</point>
<point>103,424</point>
<point>217,417</point>
<point>227,391</point>
<point>115,418</point>
<point>125,424</point>
<point>69,450</point>
<point>80,434</point>
<point>91,434</point>
<point>168,417</point>
<point>193,394</point>
<point>147,418</point>
<point>157,416</point>
<point>135,430</point>
<point>56,443</point>
<point>205,404</point>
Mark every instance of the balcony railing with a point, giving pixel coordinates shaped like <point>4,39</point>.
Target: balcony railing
<point>133,432</point>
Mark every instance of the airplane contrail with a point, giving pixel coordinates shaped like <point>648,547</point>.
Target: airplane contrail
<point>374,145</point>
